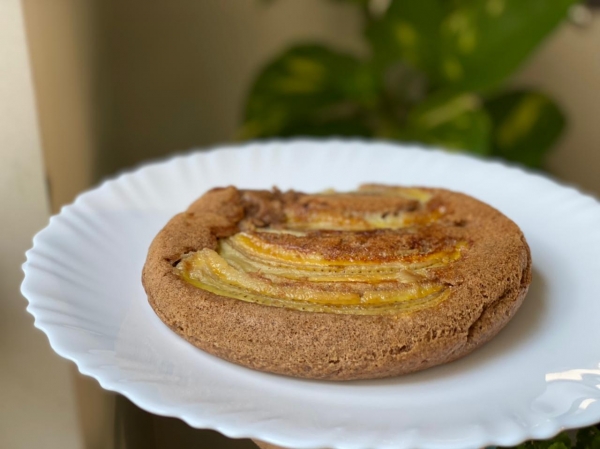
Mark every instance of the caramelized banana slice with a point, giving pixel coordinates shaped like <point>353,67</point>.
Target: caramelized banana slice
<point>208,270</point>
<point>327,257</point>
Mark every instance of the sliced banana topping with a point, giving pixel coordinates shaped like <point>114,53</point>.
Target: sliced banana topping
<point>321,262</point>
<point>207,270</point>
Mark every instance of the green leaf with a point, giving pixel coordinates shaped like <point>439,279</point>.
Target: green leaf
<point>309,87</point>
<point>525,126</point>
<point>451,5</point>
<point>342,128</point>
<point>484,41</point>
<point>364,3</point>
<point>563,438</point>
<point>454,122</point>
<point>560,441</point>
<point>408,32</point>
<point>559,445</point>
<point>403,88</point>
<point>588,438</point>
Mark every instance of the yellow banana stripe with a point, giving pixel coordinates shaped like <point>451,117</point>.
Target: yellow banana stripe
<point>207,270</point>
<point>324,221</point>
<point>317,270</point>
<point>303,268</point>
<point>409,193</point>
<point>253,247</point>
<point>365,293</point>
<point>210,268</point>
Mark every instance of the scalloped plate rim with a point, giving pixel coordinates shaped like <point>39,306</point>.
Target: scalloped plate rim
<point>551,428</point>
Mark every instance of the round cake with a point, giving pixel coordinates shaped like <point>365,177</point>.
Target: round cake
<point>373,283</point>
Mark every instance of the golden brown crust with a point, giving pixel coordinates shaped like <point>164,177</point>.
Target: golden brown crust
<point>488,283</point>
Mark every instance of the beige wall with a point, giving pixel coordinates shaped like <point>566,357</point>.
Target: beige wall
<point>119,82</point>
<point>176,72</point>
<point>37,405</point>
<point>568,67</point>
<point>63,55</point>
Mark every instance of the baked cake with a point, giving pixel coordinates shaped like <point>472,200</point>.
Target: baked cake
<point>377,282</point>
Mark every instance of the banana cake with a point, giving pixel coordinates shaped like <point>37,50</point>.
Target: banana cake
<point>377,282</point>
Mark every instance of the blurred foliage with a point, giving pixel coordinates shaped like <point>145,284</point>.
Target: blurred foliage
<point>435,73</point>
<point>587,438</point>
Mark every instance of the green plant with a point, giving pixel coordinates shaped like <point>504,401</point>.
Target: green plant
<point>435,73</point>
<point>587,438</point>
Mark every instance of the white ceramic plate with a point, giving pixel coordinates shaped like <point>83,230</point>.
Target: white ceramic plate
<point>539,375</point>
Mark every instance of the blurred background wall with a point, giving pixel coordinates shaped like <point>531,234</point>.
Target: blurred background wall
<point>568,67</point>
<point>37,401</point>
<point>119,82</point>
<point>122,81</point>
